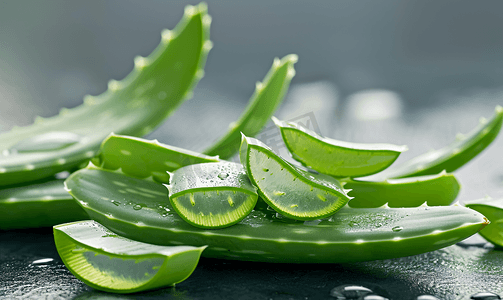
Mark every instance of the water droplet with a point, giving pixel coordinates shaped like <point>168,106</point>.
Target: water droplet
<point>223,175</point>
<point>427,297</point>
<point>265,170</point>
<point>54,140</point>
<point>397,228</point>
<point>137,207</point>
<point>353,223</point>
<point>116,203</point>
<point>349,292</point>
<point>43,261</point>
<point>485,296</point>
<point>279,193</point>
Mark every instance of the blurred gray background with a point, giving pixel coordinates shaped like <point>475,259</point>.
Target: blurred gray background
<point>404,72</point>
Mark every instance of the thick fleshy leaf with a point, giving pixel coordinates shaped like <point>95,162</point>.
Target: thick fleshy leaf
<point>138,209</point>
<point>108,262</point>
<point>493,210</point>
<point>135,105</point>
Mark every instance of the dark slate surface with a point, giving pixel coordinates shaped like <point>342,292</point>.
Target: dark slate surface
<point>438,65</point>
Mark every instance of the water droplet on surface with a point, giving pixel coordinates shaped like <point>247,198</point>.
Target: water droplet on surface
<point>265,170</point>
<point>54,140</point>
<point>374,297</point>
<point>485,296</point>
<point>397,228</point>
<point>43,261</point>
<point>223,175</point>
<point>137,207</point>
<point>427,297</point>
<point>350,292</point>
<point>116,203</point>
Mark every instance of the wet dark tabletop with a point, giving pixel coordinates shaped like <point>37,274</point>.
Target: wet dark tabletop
<point>428,72</point>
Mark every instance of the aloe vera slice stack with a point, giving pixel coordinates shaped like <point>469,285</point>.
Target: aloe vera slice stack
<point>108,262</point>
<point>289,190</point>
<point>333,157</point>
<point>265,100</point>
<point>212,195</point>
<point>352,234</point>
<point>132,106</point>
<point>434,190</point>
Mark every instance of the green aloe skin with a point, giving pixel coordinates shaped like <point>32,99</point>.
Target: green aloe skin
<point>134,106</point>
<point>289,190</point>
<point>212,195</point>
<point>111,263</point>
<point>267,97</point>
<point>493,210</point>
<point>333,157</point>
<point>138,209</point>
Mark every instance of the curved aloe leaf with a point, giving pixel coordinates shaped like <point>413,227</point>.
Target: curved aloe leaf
<point>133,106</point>
<point>311,197</point>
<point>434,190</point>
<point>108,262</point>
<point>333,157</point>
<point>143,158</point>
<point>212,195</point>
<point>493,210</point>
<point>39,205</point>
<point>457,154</point>
<point>349,235</point>
<point>267,96</point>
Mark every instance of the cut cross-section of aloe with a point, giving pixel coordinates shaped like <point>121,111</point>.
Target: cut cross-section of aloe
<point>333,157</point>
<point>352,234</point>
<point>434,190</point>
<point>212,195</point>
<point>135,105</point>
<point>493,210</point>
<point>108,262</point>
<point>289,190</point>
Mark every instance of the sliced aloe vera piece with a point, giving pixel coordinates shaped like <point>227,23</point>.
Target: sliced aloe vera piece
<point>143,158</point>
<point>333,157</point>
<point>457,154</point>
<point>289,190</point>
<point>212,195</point>
<point>132,106</point>
<point>108,262</point>
<point>267,96</point>
<point>493,210</point>
<point>40,204</point>
<point>352,234</point>
<point>434,190</point>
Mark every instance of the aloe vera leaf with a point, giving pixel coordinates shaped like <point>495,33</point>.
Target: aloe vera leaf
<point>212,195</point>
<point>434,190</point>
<point>454,156</point>
<point>143,158</point>
<point>132,106</point>
<point>289,190</point>
<point>267,96</point>
<point>493,210</point>
<point>108,262</point>
<point>352,234</point>
<point>333,157</point>
<point>40,204</point>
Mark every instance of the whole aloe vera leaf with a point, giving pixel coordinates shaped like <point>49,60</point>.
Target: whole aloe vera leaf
<point>352,234</point>
<point>333,157</point>
<point>143,158</point>
<point>132,106</point>
<point>265,100</point>
<point>493,210</point>
<point>434,190</point>
<point>454,156</point>
<point>108,262</point>
<point>212,195</point>
<point>289,190</point>
<point>40,204</point>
